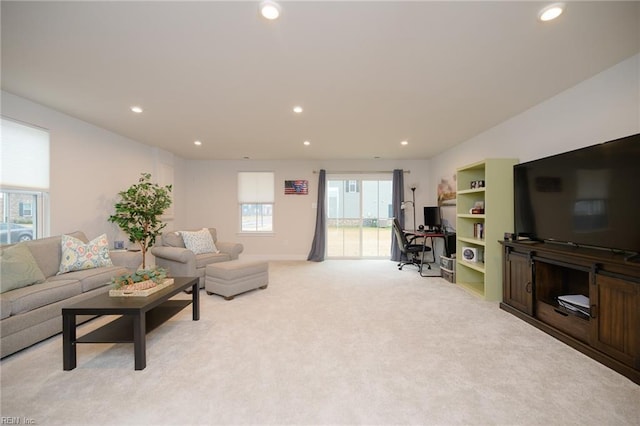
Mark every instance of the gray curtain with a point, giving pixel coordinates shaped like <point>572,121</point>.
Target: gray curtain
<point>319,239</point>
<point>397,198</point>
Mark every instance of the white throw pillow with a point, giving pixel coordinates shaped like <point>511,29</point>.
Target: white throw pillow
<point>199,242</point>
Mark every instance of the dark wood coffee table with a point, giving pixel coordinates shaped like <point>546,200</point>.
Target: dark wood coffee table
<point>140,315</point>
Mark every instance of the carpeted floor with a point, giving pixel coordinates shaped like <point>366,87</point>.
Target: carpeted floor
<point>337,342</point>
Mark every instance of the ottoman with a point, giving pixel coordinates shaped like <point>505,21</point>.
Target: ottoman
<point>231,278</point>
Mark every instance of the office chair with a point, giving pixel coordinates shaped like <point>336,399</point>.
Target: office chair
<point>412,251</point>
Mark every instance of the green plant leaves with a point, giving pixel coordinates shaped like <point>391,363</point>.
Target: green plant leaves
<point>139,209</point>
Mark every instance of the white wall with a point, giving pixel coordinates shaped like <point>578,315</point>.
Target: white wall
<point>602,108</point>
<point>91,165</point>
<point>212,200</point>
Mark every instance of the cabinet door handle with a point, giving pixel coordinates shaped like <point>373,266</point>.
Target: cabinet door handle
<point>528,287</point>
<point>593,312</point>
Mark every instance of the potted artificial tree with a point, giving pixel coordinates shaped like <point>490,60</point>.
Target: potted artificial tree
<point>139,210</point>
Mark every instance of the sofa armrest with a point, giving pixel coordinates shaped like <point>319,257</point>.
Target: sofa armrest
<point>175,254</point>
<point>178,261</point>
<point>129,259</point>
<point>232,249</point>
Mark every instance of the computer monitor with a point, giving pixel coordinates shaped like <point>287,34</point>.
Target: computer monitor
<point>432,219</point>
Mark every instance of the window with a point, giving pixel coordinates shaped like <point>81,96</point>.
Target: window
<point>359,217</point>
<point>24,182</point>
<point>256,197</point>
<point>352,186</point>
<point>25,209</point>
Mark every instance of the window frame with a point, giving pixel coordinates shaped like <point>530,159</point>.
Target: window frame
<point>256,206</point>
<point>21,135</point>
<point>352,186</point>
<point>24,209</point>
<point>40,219</point>
<point>254,195</point>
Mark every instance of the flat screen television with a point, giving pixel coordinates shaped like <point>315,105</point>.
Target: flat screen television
<point>587,197</point>
<point>432,220</point>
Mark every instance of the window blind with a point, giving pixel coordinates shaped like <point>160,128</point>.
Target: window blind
<point>256,187</point>
<point>24,151</point>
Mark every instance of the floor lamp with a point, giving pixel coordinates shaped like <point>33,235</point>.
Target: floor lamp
<point>413,204</point>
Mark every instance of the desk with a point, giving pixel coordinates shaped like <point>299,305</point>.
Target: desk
<point>428,235</point>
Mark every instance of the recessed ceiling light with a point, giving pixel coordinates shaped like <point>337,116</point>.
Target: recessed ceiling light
<point>297,109</point>
<point>307,143</point>
<point>136,109</point>
<point>197,143</point>
<point>270,9</point>
<point>551,12</point>
<point>404,143</point>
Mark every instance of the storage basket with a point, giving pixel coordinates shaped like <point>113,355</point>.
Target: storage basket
<point>448,275</point>
<point>448,263</point>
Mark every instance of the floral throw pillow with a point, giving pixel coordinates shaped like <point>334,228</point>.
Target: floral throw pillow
<point>77,255</point>
<point>199,242</point>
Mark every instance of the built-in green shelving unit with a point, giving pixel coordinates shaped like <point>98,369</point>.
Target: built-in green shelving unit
<point>483,276</point>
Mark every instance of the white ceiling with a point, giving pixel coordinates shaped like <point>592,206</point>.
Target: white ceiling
<point>368,74</point>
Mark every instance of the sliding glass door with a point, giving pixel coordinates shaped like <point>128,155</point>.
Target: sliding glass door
<point>358,217</point>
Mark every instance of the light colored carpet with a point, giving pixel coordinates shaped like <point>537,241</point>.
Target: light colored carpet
<point>337,342</point>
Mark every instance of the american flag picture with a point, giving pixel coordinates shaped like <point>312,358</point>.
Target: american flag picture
<point>296,187</point>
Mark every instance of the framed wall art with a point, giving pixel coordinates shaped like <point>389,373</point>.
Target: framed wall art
<point>447,191</point>
<point>296,187</point>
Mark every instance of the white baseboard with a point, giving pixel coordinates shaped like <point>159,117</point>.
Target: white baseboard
<point>268,257</point>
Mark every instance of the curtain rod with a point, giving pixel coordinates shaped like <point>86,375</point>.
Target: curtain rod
<point>361,172</point>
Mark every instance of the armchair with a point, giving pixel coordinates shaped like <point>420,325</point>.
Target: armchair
<point>172,255</point>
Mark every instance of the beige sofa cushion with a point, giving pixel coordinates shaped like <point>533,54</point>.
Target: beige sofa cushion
<point>48,252</point>
<point>202,260</point>
<point>5,307</point>
<point>92,278</point>
<point>172,239</point>
<point>34,296</point>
